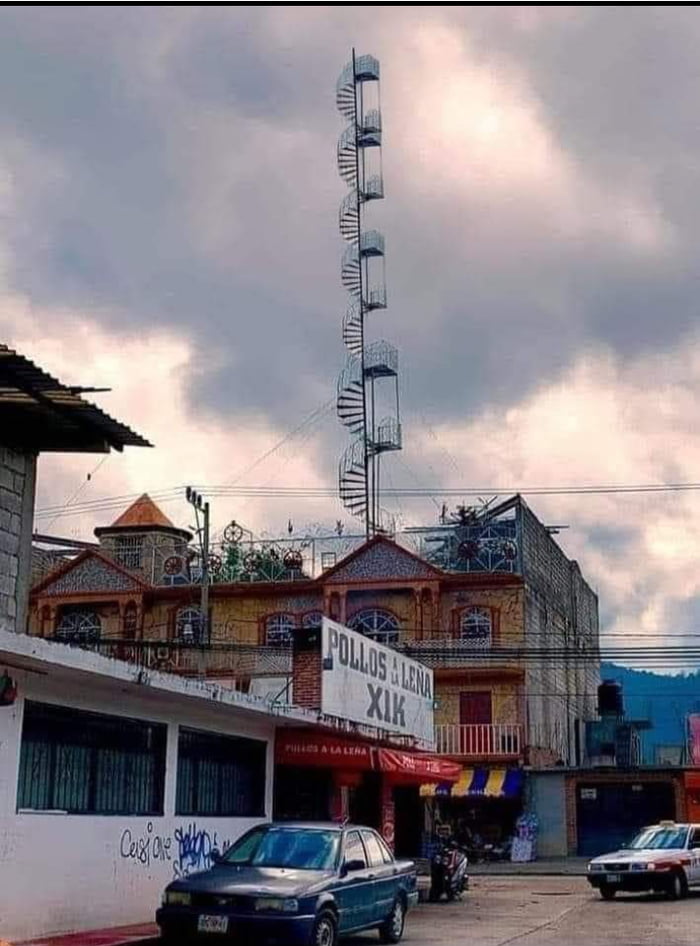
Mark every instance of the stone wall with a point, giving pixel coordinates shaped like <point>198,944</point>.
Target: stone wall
<point>17,480</point>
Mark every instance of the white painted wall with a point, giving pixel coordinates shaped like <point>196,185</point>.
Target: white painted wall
<point>70,872</point>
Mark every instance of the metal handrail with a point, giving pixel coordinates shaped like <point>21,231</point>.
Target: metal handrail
<point>478,740</point>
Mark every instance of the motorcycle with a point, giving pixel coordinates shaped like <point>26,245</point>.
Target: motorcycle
<point>448,873</point>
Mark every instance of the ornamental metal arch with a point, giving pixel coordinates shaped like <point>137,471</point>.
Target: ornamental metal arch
<point>79,627</point>
<point>476,626</point>
<point>382,626</point>
<point>279,629</point>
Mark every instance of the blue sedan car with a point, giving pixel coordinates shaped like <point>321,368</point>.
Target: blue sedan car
<point>304,884</point>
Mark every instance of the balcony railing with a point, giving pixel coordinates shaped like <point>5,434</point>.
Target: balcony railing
<point>448,651</point>
<point>478,740</point>
<point>215,659</point>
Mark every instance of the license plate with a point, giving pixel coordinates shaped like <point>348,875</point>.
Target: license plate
<point>612,878</point>
<point>212,924</point>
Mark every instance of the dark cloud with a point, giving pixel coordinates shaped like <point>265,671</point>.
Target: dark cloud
<point>177,168</point>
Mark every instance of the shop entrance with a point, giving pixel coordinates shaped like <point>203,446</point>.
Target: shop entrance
<point>409,818</point>
<point>365,801</point>
<point>302,793</point>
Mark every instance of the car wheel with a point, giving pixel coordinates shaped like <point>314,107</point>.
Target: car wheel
<point>607,892</point>
<point>325,932</point>
<point>392,930</point>
<point>678,886</point>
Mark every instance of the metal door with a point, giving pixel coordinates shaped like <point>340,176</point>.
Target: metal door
<point>609,814</point>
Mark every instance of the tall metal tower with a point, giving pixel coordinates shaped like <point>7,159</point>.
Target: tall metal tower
<point>367,407</point>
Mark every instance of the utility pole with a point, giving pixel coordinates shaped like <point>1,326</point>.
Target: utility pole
<point>200,506</point>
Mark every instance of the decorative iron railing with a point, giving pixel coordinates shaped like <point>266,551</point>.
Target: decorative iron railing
<point>478,740</point>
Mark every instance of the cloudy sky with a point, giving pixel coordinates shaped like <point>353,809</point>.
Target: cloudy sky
<point>168,201</point>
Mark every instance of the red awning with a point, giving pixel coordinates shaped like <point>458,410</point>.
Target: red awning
<point>294,747</point>
<point>418,766</point>
<point>692,780</point>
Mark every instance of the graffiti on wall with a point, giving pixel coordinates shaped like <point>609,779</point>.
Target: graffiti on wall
<point>188,850</point>
<point>194,849</point>
<point>145,846</point>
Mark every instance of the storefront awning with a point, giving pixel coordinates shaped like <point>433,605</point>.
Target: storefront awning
<point>475,783</point>
<point>293,747</point>
<point>418,766</point>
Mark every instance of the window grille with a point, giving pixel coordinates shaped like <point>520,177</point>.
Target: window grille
<point>89,763</point>
<point>220,775</point>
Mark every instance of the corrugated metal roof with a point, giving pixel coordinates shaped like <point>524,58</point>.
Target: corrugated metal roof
<point>38,410</point>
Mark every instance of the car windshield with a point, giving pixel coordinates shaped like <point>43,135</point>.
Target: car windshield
<point>659,839</point>
<point>295,848</point>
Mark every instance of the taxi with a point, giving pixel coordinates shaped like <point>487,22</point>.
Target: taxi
<point>663,858</point>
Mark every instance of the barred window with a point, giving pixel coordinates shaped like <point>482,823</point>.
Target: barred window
<point>220,775</point>
<point>312,619</point>
<point>190,625</point>
<point>475,627</point>
<point>89,763</point>
<point>279,629</point>
<point>78,626</point>
<point>381,626</point>
<point>128,550</point>
<point>130,620</point>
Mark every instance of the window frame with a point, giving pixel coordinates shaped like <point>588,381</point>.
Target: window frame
<point>78,635</point>
<point>346,841</point>
<point>369,835</point>
<point>128,551</point>
<point>291,619</point>
<point>86,745</point>
<point>386,636</point>
<point>198,632</point>
<point>226,748</point>
<point>484,642</point>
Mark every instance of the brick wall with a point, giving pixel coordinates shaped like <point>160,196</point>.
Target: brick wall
<point>17,479</point>
<point>306,678</point>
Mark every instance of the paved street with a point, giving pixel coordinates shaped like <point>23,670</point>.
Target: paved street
<point>551,911</point>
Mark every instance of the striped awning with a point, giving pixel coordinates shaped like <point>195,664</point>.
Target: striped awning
<point>484,783</point>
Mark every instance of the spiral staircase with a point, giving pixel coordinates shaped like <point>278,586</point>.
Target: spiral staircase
<point>362,275</point>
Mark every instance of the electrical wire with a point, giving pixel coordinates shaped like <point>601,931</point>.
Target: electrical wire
<point>320,492</point>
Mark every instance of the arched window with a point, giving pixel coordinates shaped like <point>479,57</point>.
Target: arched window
<point>189,625</point>
<point>279,629</point>
<point>312,619</point>
<point>130,620</point>
<point>79,627</point>
<point>475,627</point>
<point>381,626</point>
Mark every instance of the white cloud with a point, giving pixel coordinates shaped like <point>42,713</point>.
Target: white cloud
<point>605,422</point>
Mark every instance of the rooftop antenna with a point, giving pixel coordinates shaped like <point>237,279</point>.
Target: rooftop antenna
<point>362,274</point>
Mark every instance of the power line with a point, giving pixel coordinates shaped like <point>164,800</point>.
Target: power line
<point>315,492</point>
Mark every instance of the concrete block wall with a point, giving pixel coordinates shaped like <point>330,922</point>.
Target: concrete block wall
<point>561,612</point>
<point>17,481</point>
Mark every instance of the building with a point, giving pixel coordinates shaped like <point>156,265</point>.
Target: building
<point>115,780</point>
<point>488,601</point>
<point>38,414</point>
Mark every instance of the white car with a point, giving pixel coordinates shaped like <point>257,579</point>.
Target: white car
<point>664,858</point>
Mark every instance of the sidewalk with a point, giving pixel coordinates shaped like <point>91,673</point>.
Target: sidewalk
<point>545,867</point>
<point>116,936</point>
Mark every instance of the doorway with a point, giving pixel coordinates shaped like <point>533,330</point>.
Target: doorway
<point>475,708</point>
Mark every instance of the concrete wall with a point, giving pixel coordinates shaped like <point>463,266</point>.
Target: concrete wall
<point>561,612</point>
<point>63,872</point>
<point>17,481</point>
<point>545,796</point>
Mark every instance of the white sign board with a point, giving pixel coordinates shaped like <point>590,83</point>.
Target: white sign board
<point>370,683</point>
